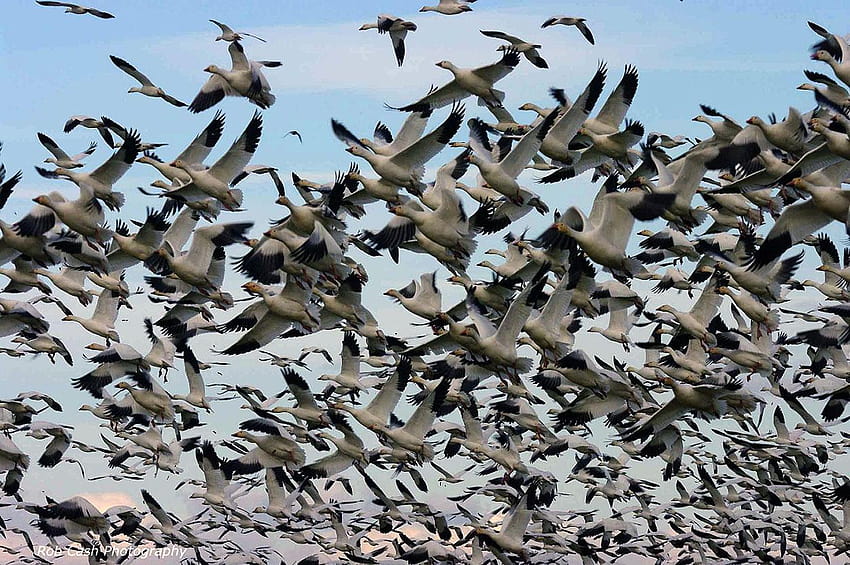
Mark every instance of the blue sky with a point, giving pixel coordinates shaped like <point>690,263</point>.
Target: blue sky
<point>743,58</point>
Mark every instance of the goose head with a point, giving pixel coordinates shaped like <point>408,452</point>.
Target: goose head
<point>254,288</point>
<point>821,55</point>
<point>445,65</point>
<point>755,121</point>
<point>214,69</point>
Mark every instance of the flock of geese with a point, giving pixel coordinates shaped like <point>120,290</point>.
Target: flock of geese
<point>515,407</point>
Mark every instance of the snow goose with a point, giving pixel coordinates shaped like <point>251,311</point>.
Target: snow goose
<point>76,9</point>
<point>89,122</point>
<point>834,149</point>
<point>349,450</point>
<point>840,62</point>
<point>411,436</point>
<point>696,321</point>
<point>502,175</point>
<point>306,408</point>
<point>604,235</point>
<point>406,167</point>
<point>529,50</point>
<point>347,381</point>
<point>227,33</point>
<point>148,88</point>
<point>60,441</point>
<point>245,78</point>
<point>102,179</point>
<point>376,414</point>
<point>449,7</point>
<point>274,449</point>
<point>708,400</point>
<point>102,322</point>
<point>197,389</point>
<point>467,82</point>
<point>44,343</point>
<point>192,266</point>
<point>130,249</point>
<point>216,180</point>
<point>272,316</point>
<point>74,518</point>
<point>411,130</point>
<point>162,352</point>
<point>803,219</point>
<point>831,95</point>
<point>397,29</point>
<point>556,144</point>
<point>788,135</point>
<point>495,346</point>
<point>218,492</point>
<point>150,396</point>
<point>724,130</point>
<point>420,297</point>
<point>579,23</point>
<point>62,159</point>
<point>194,154</point>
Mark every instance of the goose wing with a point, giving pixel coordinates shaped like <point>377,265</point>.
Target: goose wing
<point>51,146</point>
<point>120,162</point>
<point>240,153</point>
<point>423,150</point>
<point>131,70</point>
<point>617,105</point>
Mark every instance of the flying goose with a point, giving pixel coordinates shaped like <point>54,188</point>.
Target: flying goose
<point>529,50</point>
<point>579,23</point>
<point>406,167</point>
<point>397,29</point>
<point>60,158</point>
<point>274,449</point>
<point>449,7</point>
<point>245,78</point>
<point>467,82</point>
<point>102,179</point>
<point>193,265</point>
<point>93,123</point>
<point>556,145</point>
<point>501,175</point>
<point>215,181</point>
<point>227,33</point>
<point>76,9</point>
<point>148,88</point>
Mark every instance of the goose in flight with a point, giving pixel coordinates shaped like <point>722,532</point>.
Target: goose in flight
<point>579,23</point>
<point>227,33</point>
<point>62,159</point>
<point>193,155</point>
<point>397,29</point>
<point>529,50</point>
<point>449,7</point>
<point>467,82</point>
<point>76,9</point>
<point>93,123</point>
<point>148,88</point>
<point>245,78</point>
<point>215,181</point>
<point>101,180</point>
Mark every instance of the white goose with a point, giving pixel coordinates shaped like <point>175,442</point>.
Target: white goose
<point>529,50</point>
<point>579,23</point>
<point>397,29</point>
<point>449,7</point>
<point>148,88</point>
<point>216,180</point>
<point>101,180</point>
<point>478,82</point>
<point>102,322</point>
<point>245,78</point>
<point>193,155</point>
<point>62,159</point>
<point>406,167</point>
<point>192,266</point>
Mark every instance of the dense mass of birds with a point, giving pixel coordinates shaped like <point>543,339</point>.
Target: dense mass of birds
<point>719,447</point>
